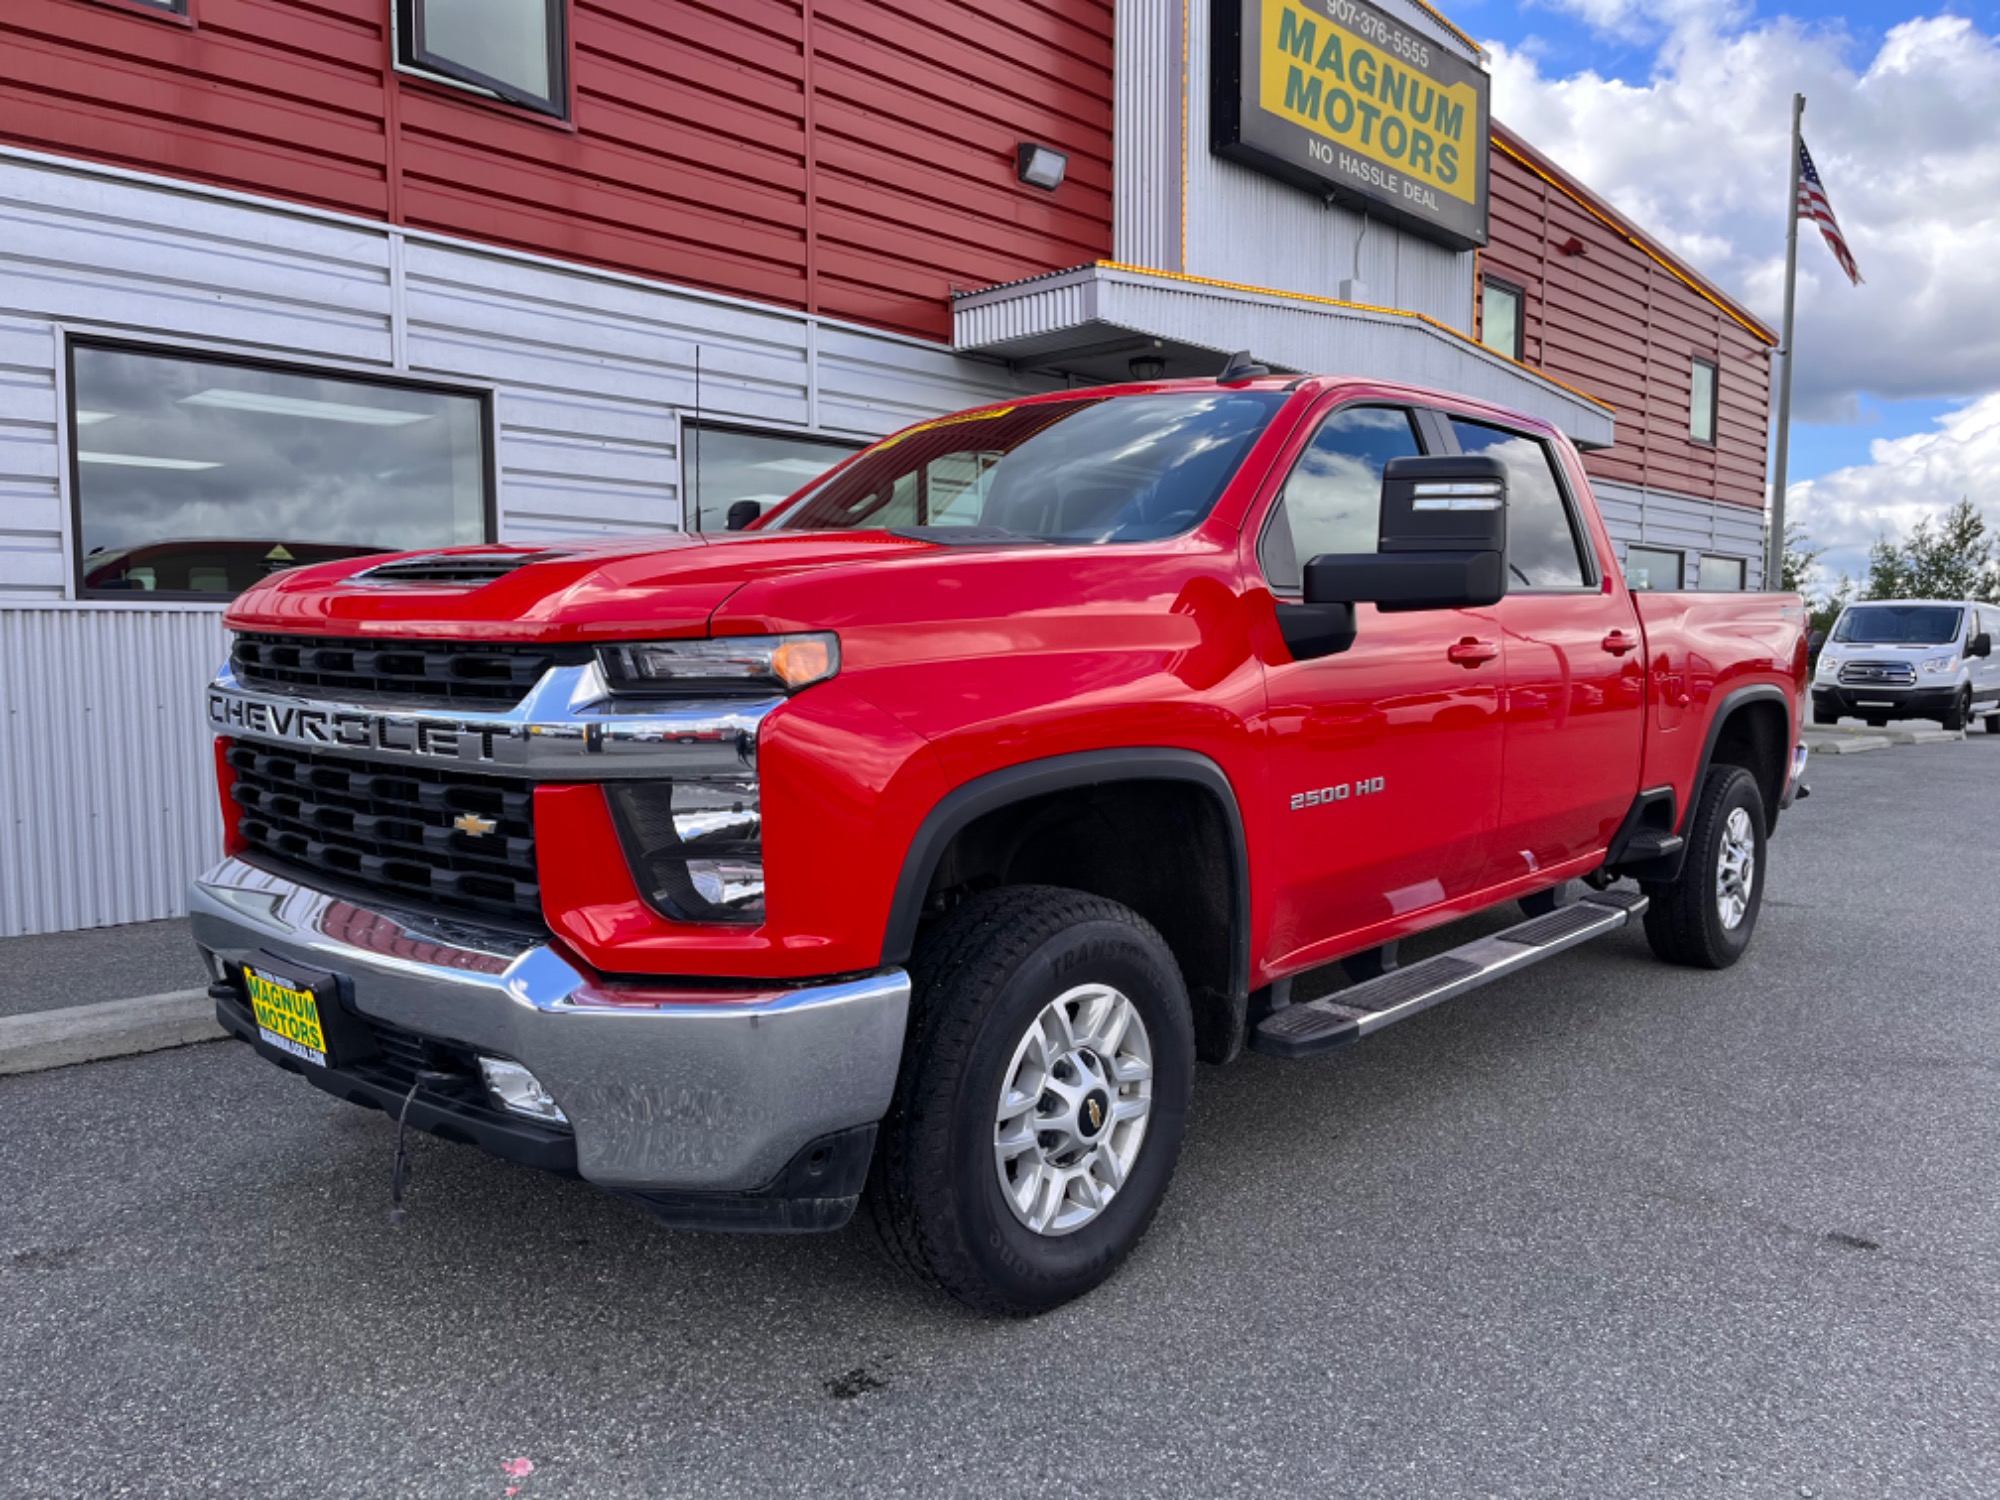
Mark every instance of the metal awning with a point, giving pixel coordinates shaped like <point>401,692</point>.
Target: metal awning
<point>1093,321</point>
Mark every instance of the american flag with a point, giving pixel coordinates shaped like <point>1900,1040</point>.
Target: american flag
<point>1813,205</point>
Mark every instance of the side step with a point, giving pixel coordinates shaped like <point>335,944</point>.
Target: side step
<point>1320,1025</point>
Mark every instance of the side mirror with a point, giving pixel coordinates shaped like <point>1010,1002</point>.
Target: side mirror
<point>1443,540</point>
<point>742,513</point>
<point>1815,641</point>
<point>1980,645</point>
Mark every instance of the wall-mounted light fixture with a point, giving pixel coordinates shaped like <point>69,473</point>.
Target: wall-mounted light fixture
<point>1040,166</point>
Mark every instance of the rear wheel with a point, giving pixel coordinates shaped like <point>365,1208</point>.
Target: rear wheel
<point>1960,711</point>
<point>1992,722</point>
<point>1876,721</point>
<point>1705,917</point>
<point>1043,1097</point>
<point>1825,715</point>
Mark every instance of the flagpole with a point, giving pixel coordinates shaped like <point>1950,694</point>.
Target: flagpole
<point>1775,565</point>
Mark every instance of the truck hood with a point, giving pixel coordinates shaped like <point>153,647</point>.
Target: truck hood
<point>576,591</point>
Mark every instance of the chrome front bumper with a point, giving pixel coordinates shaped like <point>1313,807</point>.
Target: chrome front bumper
<point>666,1090</point>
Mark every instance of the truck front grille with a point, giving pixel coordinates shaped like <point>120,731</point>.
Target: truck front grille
<point>440,673</point>
<point>433,839</point>
<point>1877,674</point>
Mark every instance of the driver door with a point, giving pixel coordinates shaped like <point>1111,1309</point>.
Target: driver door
<point>1384,758</point>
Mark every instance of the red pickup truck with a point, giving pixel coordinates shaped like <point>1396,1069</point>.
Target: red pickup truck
<point>910,844</point>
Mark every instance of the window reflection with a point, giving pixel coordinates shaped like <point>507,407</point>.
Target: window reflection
<point>723,467</point>
<point>198,476</point>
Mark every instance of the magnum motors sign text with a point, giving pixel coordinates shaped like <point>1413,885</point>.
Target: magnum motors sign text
<point>1337,97</point>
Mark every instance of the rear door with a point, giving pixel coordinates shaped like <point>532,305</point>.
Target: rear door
<point>1385,758</point>
<point>1575,705</point>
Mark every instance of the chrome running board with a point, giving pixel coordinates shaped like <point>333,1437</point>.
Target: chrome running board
<point>1316,1026</point>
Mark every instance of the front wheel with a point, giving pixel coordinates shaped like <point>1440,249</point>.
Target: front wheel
<point>1825,715</point>
<point>1042,1100</point>
<point>1961,710</point>
<point>1705,916</point>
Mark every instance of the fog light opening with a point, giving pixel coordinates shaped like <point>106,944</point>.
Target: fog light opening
<point>518,1091</point>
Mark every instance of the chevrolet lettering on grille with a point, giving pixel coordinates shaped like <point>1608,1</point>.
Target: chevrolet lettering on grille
<point>358,729</point>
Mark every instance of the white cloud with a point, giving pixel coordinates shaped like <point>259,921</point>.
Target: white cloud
<point>1905,478</point>
<point>1906,140</point>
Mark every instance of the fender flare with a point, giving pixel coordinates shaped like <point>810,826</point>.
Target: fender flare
<point>1061,773</point>
<point>1756,692</point>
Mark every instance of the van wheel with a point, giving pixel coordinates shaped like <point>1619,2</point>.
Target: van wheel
<point>1704,917</point>
<point>1876,721</point>
<point>1042,1100</point>
<point>1960,711</point>
<point>1992,722</point>
<point>1825,715</point>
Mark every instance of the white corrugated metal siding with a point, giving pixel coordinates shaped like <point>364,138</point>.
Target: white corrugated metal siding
<point>1243,226</point>
<point>1687,523</point>
<point>107,778</point>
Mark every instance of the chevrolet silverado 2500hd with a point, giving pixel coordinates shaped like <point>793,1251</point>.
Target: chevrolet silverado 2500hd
<point>919,837</point>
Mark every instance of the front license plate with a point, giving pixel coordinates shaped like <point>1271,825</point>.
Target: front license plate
<point>287,1014</point>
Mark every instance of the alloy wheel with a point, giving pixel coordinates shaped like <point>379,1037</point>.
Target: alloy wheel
<point>1073,1109</point>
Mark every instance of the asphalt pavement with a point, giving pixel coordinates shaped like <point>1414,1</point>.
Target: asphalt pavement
<point>63,969</point>
<point>1604,1229</point>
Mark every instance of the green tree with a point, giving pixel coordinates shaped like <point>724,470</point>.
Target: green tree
<point>1952,559</point>
<point>1798,559</point>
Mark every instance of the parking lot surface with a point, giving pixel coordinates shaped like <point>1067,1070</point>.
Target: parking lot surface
<point>1607,1228</point>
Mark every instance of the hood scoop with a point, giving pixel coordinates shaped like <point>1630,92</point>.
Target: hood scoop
<point>465,570</point>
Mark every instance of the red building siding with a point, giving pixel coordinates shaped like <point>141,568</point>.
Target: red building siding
<point>850,157</point>
<point>1611,311</point>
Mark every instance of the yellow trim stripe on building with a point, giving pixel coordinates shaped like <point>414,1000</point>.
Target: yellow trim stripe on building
<point>1761,335</point>
<point>1392,312</point>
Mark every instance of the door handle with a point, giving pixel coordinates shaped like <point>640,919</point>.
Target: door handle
<point>1618,643</point>
<point>1471,653</point>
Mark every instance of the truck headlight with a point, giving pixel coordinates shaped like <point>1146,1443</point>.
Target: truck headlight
<point>666,669</point>
<point>1939,664</point>
<point>695,846</point>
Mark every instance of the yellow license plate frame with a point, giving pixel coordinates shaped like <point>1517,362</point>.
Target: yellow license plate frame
<point>287,1014</point>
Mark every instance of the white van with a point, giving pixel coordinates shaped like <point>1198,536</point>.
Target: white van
<point>1909,659</point>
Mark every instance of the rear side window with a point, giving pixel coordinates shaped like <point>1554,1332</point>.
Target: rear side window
<point>1544,548</point>
<point>1332,499</point>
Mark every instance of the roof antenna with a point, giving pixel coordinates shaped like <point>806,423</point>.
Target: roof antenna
<point>697,437</point>
<point>1241,369</point>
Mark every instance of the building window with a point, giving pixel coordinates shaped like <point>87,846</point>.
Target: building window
<point>1701,402</point>
<point>512,49</point>
<point>724,465</point>
<point>1500,320</point>
<point>197,477</point>
<point>1655,568</point>
<point>1722,575</point>
<point>171,7</point>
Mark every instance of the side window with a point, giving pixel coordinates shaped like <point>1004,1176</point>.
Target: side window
<point>1332,499</point>
<point>1544,548</point>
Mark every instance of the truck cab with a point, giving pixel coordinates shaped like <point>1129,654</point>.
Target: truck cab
<point>1890,659</point>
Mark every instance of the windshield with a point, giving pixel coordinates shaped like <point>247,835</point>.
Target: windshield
<point>1096,469</point>
<point>1899,625</point>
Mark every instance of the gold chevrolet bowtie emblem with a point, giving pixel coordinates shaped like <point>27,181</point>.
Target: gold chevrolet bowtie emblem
<point>1096,1114</point>
<point>473,826</point>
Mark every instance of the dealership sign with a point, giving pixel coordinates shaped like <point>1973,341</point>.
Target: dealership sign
<point>1341,99</point>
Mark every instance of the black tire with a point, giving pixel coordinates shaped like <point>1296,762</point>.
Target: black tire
<point>1992,722</point>
<point>1684,924</point>
<point>1960,711</point>
<point>1876,721</point>
<point>981,977</point>
<point>1825,715</point>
